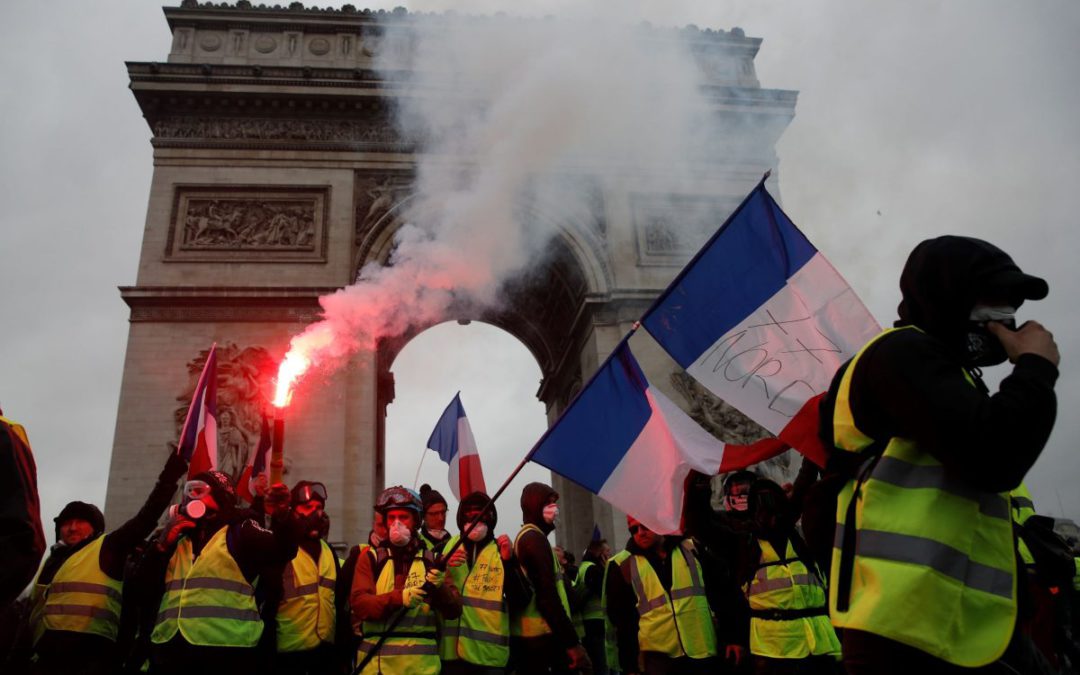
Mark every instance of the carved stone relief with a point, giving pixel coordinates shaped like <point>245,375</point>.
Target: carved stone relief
<point>670,229</point>
<point>277,129</point>
<point>248,223</point>
<point>244,388</point>
<point>379,198</point>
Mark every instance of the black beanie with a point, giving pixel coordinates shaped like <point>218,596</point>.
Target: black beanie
<point>84,511</point>
<point>429,497</point>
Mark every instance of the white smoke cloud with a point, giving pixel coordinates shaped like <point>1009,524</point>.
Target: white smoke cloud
<point>508,110</point>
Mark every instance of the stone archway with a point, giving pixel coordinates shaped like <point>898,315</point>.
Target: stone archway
<point>279,172</point>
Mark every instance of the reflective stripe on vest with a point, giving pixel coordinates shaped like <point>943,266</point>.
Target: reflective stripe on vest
<point>482,635</point>
<point>611,644</point>
<point>306,614</point>
<point>81,597</point>
<point>411,649</point>
<point>787,588</point>
<point>678,623</point>
<point>207,599</point>
<point>923,540</point>
<point>528,622</point>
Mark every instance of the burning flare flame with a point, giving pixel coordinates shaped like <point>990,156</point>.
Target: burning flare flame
<point>290,370</point>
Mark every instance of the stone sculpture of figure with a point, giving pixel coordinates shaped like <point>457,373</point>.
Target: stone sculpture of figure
<point>233,446</point>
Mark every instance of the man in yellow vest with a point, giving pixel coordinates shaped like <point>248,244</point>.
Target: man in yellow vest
<point>661,603</point>
<point>590,587</point>
<point>210,556</point>
<point>433,532</point>
<point>309,600</point>
<point>400,582</point>
<point>789,625</point>
<point>22,540</point>
<point>924,575</point>
<point>484,570</point>
<point>543,636</point>
<point>78,592</point>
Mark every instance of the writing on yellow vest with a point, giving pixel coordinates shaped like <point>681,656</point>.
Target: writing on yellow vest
<point>922,540</point>
<point>482,635</point>
<point>788,608</point>
<point>207,599</point>
<point>528,622</point>
<point>306,614</point>
<point>676,623</point>
<point>81,597</point>
<point>411,648</point>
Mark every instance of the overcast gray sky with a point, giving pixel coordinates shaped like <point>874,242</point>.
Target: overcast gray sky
<point>915,118</point>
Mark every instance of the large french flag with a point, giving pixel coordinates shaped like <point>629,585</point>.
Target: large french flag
<point>198,437</point>
<point>763,321</point>
<point>453,440</point>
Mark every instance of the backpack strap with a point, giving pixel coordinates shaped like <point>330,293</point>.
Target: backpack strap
<point>869,456</point>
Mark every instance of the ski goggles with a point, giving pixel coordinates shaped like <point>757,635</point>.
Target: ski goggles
<point>309,491</point>
<point>196,489</point>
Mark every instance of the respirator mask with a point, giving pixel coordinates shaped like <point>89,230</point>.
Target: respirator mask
<point>478,532</point>
<point>191,504</point>
<point>983,348</point>
<point>400,534</point>
<point>551,512</point>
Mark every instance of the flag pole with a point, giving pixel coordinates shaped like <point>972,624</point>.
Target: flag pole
<point>417,478</point>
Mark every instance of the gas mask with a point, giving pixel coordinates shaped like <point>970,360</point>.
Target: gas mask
<point>478,532</point>
<point>551,512</point>
<point>400,534</point>
<point>309,526</point>
<point>191,505</point>
<point>983,347</point>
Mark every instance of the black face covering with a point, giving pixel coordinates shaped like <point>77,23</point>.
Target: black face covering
<point>983,347</point>
<point>305,525</point>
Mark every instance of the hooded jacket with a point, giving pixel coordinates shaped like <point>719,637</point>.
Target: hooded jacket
<point>534,554</point>
<point>911,384</point>
<point>515,589</point>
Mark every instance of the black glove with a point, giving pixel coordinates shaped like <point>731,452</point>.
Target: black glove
<point>175,467</point>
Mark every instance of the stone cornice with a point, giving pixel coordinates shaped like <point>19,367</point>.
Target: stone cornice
<point>224,303</point>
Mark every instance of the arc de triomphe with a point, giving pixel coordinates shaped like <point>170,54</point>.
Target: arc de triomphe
<point>278,171</point>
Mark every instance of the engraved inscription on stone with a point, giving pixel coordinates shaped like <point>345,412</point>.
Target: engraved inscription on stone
<point>248,223</point>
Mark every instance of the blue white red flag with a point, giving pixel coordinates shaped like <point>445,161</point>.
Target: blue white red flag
<point>453,440</point>
<point>198,437</point>
<point>625,441</point>
<point>257,465</point>
<point>762,320</point>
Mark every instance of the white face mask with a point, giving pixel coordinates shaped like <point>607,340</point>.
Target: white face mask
<point>551,512</point>
<point>479,531</point>
<point>399,534</point>
<point>438,534</point>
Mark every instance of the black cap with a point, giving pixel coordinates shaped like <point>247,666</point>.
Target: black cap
<point>430,497</point>
<point>83,511</point>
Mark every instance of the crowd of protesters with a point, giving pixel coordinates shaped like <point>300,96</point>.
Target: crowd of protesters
<point>917,549</point>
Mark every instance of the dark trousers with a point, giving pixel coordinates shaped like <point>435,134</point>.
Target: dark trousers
<point>70,653</point>
<point>462,668</point>
<point>869,654</point>
<point>811,665</point>
<point>323,660</point>
<point>538,656</point>
<point>178,657</point>
<point>594,645</point>
<point>662,664</point>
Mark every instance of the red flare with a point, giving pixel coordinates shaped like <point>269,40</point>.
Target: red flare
<point>290,370</point>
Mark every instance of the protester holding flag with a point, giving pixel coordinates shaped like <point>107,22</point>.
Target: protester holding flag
<point>77,594</point>
<point>486,573</point>
<point>208,558</point>
<point>544,640</point>
<point>433,532</point>
<point>401,578</point>
<point>930,528</point>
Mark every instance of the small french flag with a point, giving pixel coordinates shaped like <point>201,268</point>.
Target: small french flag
<point>453,440</point>
<point>198,437</point>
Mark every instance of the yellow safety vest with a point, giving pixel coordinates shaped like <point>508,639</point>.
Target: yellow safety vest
<point>482,635</point>
<point>306,615</point>
<point>412,648</point>
<point>1022,508</point>
<point>81,597</point>
<point>934,566</point>
<point>593,609</point>
<point>528,622</point>
<point>678,623</point>
<point>207,599</point>
<point>788,609</point>
<point>611,642</point>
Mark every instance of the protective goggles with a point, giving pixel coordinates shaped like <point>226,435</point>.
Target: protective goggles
<point>305,493</point>
<point>196,489</point>
<point>399,497</point>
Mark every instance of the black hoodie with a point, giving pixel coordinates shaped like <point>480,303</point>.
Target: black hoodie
<point>534,553</point>
<point>911,384</point>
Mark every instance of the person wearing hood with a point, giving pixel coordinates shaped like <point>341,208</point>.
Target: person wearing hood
<point>485,572</point>
<point>924,575</point>
<point>208,558</point>
<point>544,639</point>
<point>308,600</point>
<point>661,600</point>
<point>433,533</point>
<point>789,629</point>
<point>77,595</point>
<point>400,578</point>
